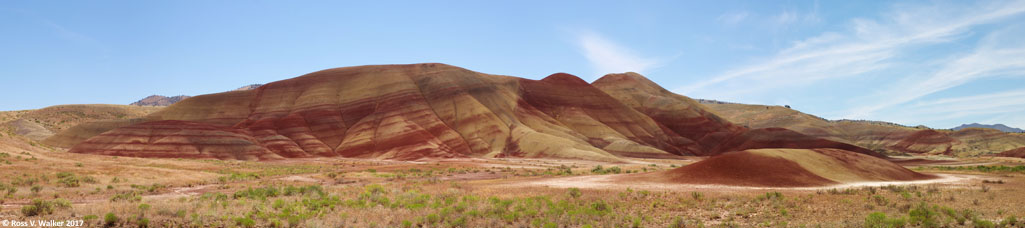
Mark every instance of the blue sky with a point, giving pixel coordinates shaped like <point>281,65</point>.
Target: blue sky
<point>935,63</point>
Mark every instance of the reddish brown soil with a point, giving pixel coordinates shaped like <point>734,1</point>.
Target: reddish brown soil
<point>1017,153</point>
<point>743,168</point>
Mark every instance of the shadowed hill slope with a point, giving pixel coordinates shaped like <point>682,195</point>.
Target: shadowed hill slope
<point>788,168</point>
<point>419,111</point>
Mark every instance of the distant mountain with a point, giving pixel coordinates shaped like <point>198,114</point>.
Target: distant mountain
<point>248,87</point>
<point>1000,127</point>
<point>159,100</point>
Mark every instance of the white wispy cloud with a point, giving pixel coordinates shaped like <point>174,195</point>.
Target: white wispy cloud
<point>786,17</point>
<point>61,31</point>
<point>733,18</point>
<point>993,57</point>
<point>868,46</point>
<point>606,56</point>
<point>790,17</point>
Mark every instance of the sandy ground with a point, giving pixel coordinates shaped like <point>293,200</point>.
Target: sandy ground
<point>182,192</point>
<point>622,181</point>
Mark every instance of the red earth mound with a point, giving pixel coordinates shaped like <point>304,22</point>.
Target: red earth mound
<point>416,111</point>
<point>788,168</point>
<point>1017,153</point>
<point>745,169</point>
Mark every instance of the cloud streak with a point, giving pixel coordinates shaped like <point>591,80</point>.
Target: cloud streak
<point>606,56</point>
<point>875,47</point>
<point>733,18</point>
<point>992,58</point>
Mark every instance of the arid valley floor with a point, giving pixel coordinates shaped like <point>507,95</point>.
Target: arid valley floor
<point>341,192</point>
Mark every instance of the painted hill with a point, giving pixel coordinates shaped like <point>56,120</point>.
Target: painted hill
<point>788,168</point>
<point>882,137</point>
<point>159,100</point>
<point>1001,127</point>
<point>420,111</point>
